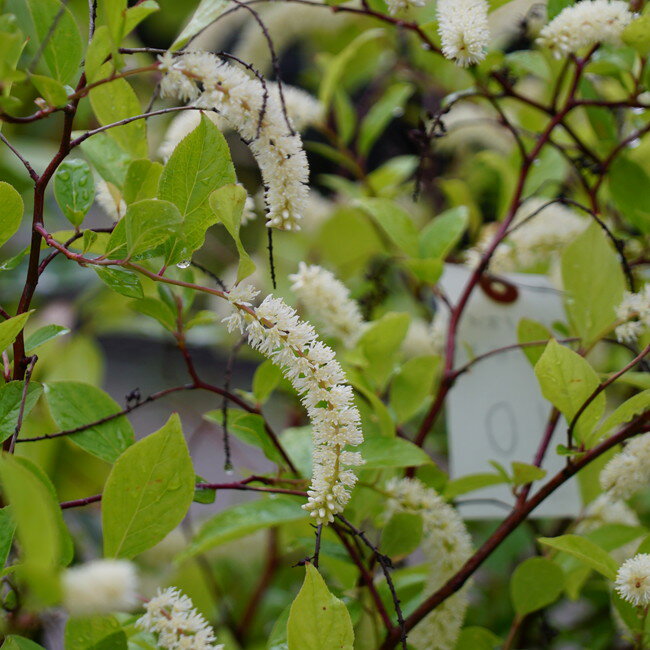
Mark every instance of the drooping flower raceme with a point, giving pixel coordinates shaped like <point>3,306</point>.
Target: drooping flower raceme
<point>584,24</point>
<point>100,587</point>
<point>303,111</point>
<point>633,580</point>
<point>259,119</point>
<point>463,28</point>
<point>275,330</point>
<point>329,300</point>
<point>628,472</point>
<point>447,545</point>
<point>171,616</point>
<point>634,310</point>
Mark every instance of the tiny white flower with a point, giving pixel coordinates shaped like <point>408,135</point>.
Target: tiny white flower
<point>100,587</point>
<point>633,580</point>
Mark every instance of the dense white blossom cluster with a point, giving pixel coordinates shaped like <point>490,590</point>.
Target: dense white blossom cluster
<point>258,118</point>
<point>100,587</point>
<point>629,471</point>
<point>171,616</point>
<point>463,28</point>
<point>275,330</point>
<point>329,300</point>
<point>634,312</point>
<point>446,545</point>
<point>584,24</point>
<point>537,233</point>
<point>303,110</point>
<point>633,580</point>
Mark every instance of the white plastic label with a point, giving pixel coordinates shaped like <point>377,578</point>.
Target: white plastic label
<point>496,411</point>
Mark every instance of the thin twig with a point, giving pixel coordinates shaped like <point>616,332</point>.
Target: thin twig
<point>23,401</point>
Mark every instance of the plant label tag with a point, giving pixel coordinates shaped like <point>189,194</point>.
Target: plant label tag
<point>496,410</point>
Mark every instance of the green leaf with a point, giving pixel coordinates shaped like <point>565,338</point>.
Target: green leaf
<point>249,428</point>
<point>395,221</point>
<point>625,412</point>
<point>12,211</point>
<point>411,385</point>
<point>74,189</point>
<point>148,492</point>
<point>56,31</point>
<point>10,399</point>
<point>523,473</point>
<point>136,14</point>
<point>36,513</point>
<point>158,310</point>
<point>94,633</point>
<point>74,404</point>
<point>637,34</point>
<point>207,12</point>
<point>42,335</point>
<point>99,49</point>
<point>142,178</point>
<point>381,113</point>
<point>584,550</point>
<point>594,283</point>
<point>346,116</point>
<point>428,271</point>
<point>265,380</point>
<point>443,233</point>
<point>115,101</point>
<point>602,120</point>
<point>53,91</point>
<point>402,534</point>
<point>121,281</point>
<point>7,530</point>
<point>527,62</point>
<point>529,331</point>
<point>567,380</point>
<point>472,482</point>
<point>10,328</point>
<point>227,203</point>
<point>381,452</point>
<point>535,583</point>
<point>380,343</point>
<point>200,164</point>
<point>628,182</point>
<point>148,224</point>
<point>107,157</point>
<point>317,619</point>
<point>111,13</point>
<point>341,62</point>
<point>477,638</point>
<point>244,519</point>
<point>14,642</point>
